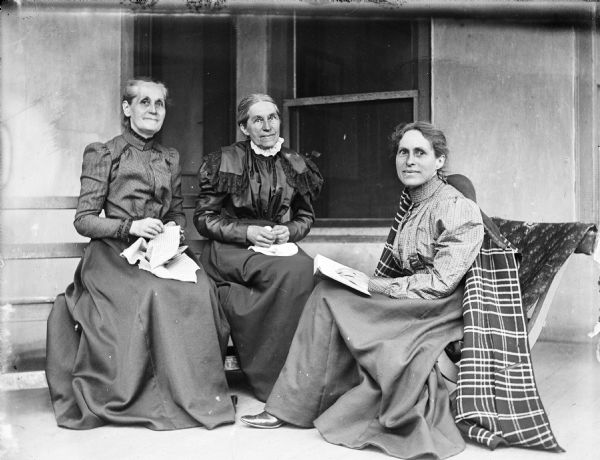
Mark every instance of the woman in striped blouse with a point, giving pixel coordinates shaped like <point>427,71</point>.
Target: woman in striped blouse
<point>124,346</point>
<point>362,369</point>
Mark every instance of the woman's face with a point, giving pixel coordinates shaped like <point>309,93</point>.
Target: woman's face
<point>416,162</point>
<point>263,124</point>
<point>147,109</point>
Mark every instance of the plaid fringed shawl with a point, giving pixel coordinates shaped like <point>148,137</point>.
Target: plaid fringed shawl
<point>497,400</point>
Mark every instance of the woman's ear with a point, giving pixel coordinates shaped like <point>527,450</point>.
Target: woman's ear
<point>126,108</point>
<point>440,162</point>
<point>244,130</point>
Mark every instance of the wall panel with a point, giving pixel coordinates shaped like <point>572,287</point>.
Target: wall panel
<point>504,95</point>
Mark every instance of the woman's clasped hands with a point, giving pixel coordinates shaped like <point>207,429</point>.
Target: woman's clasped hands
<point>265,236</point>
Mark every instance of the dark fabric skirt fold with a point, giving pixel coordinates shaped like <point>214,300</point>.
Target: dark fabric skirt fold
<point>126,347</point>
<point>263,297</point>
<point>363,371</point>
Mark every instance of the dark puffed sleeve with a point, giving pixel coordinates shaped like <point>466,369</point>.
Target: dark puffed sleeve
<point>308,186</point>
<point>95,176</point>
<point>302,219</point>
<point>175,213</point>
<point>208,219</point>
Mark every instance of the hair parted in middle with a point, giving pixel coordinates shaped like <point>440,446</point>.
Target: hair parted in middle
<point>248,101</point>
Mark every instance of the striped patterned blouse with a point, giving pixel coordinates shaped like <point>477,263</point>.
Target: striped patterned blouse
<point>436,244</point>
<point>129,178</point>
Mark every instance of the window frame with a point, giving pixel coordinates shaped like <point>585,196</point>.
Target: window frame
<point>346,99</point>
<point>421,98</point>
<point>341,99</point>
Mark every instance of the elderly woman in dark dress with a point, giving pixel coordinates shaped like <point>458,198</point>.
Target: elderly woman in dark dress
<point>124,346</point>
<point>257,192</point>
<point>362,369</point>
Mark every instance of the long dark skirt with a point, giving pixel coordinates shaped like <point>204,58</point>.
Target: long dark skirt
<point>263,297</point>
<point>362,370</point>
<point>125,347</point>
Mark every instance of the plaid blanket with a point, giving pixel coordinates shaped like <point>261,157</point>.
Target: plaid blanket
<point>497,401</point>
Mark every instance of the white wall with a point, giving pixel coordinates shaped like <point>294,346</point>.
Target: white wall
<point>504,95</point>
<point>61,78</point>
<point>60,90</point>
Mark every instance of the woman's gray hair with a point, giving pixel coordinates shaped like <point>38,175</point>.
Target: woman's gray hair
<point>130,91</point>
<point>248,101</point>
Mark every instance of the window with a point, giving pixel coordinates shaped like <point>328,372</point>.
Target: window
<point>356,79</point>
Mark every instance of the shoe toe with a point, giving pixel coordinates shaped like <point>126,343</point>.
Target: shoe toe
<point>262,420</point>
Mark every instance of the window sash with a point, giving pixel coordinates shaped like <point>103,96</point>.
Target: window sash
<point>343,99</point>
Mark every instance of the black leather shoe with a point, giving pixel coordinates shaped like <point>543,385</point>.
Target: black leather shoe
<point>262,420</point>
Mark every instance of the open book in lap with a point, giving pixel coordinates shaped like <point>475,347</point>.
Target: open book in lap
<point>328,268</point>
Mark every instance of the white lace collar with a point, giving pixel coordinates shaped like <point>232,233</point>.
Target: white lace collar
<point>267,152</point>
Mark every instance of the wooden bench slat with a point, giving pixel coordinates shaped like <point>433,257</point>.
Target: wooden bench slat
<point>42,251</point>
<point>25,312</point>
<point>23,203</point>
<point>39,202</point>
<point>75,250</point>
<point>27,300</point>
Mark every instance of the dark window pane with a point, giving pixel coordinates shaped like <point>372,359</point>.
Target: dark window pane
<point>345,56</point>
<point>356,158</point>
<point>194,57</point>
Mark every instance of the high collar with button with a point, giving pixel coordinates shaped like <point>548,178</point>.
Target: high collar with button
<point>138,141</point>
<point>425,191</point>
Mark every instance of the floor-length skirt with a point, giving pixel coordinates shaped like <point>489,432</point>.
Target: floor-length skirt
<point>362,370</point>
<point>263,298</point>
<point>127,347</point>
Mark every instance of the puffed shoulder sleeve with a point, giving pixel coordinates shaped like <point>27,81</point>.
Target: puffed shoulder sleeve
<point>305,177</point>
<point>458,237</point>
<point>214,188</point>
<point>95,177</point>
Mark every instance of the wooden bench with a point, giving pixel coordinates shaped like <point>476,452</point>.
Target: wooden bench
<point>30,356</point>
<point>35,309</point>
<point>26,315</point>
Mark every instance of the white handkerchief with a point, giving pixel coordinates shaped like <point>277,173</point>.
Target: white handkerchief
<point>136,251</point>
<point>181,268</point>
<point>282,250</point>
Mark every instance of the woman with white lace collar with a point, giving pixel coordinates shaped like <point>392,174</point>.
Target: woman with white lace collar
<point>258,193</point>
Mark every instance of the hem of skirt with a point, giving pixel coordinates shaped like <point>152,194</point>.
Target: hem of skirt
<point>287,418</point>
<point>151,425</point>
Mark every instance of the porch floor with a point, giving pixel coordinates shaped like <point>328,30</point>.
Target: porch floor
<point>568,377</point>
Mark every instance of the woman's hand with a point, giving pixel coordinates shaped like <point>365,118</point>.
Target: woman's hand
<point>146,228</point>
<point>282,234</point>
<point>262,237</point>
